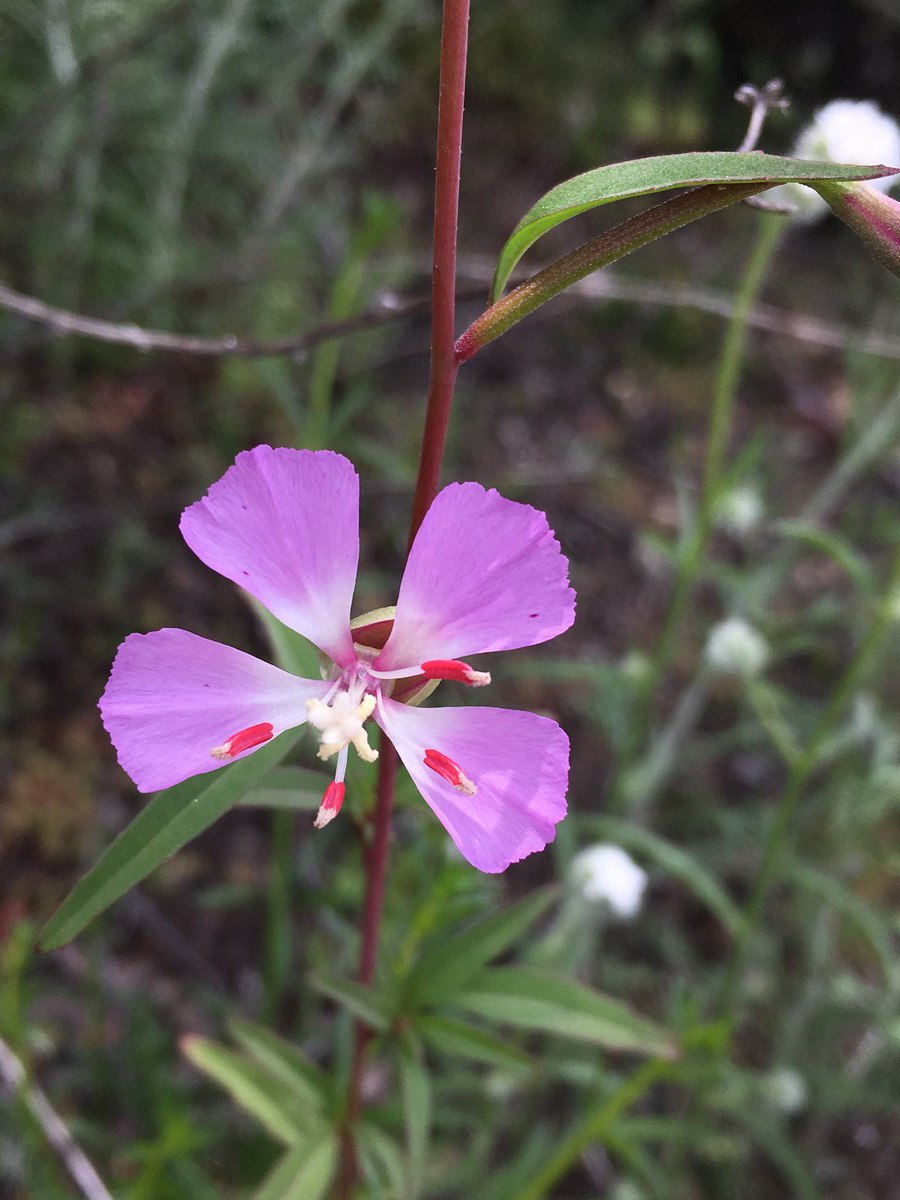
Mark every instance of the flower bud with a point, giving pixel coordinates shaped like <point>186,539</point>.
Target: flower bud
<point>874,217</point>
<point>734,647</point>
<point>785,1090</point>
<point>740,511</point>
<point>605,874</point>
<point>843,131</point>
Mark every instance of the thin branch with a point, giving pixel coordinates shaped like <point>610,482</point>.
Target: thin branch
<point>606,285</point>
<point>55,1130</point>
<point>227,345</point>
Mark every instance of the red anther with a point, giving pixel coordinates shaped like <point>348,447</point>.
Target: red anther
<point>449,770</point>
<point>331,804</point>
<point>459,672</point>
<point>246,739</point>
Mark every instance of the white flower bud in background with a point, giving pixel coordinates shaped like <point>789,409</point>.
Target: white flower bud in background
<point>734,647</point>
<point>844,131</point>
<point>635,667</point>
<point>784,1090</point>
<point>605,874</point>
<point>626,1189</point>
<point>740,510</point>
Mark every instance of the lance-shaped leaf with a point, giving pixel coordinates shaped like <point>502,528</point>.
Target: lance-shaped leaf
<point>256,1089</point>
<point>362,1001</point>
<point>284,1061</point>
<point>459,1040</point>
<point>608,248</point>
<point>646,176</point>
<point>169,820</point>
<point>452,961</point>
<point>535,999</point>
<point>305,1173</point>
<point>415,1090</point>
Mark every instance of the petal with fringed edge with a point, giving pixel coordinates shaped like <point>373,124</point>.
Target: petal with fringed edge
<point>174,698</point>
<point>284,525</point>
<point>484,573</point>
<point>517,763</point>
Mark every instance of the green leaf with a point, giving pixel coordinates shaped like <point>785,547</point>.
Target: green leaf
<point>647,176</point>
<point>359,1000</point>
<point>536,999</point>
<point>170,819</point>
<point>382,1161</point>
<point>254,1088</point>
<point>283,1061</point>
<point>856,912</point>
<point>459,1040</point>
<point>416,1091</point>
<point>453,961</point>
<point>677,862</point>
<point>295,788</point>
<point>304,1173</point>
<point>835,547</point>
<point>782,1152</point>
<point>292,651</point>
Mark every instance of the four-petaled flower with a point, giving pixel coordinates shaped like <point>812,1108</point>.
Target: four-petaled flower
<point>484,574</point>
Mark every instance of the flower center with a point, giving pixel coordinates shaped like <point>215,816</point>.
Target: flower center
<point>341,722</point>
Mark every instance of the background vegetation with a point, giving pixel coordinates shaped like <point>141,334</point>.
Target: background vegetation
<point>257,167</point>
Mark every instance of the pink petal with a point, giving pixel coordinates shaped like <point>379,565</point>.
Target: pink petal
<point>172,697</point>
<point>518,762</point>
<point>284,525</point>
<point>484,574</point>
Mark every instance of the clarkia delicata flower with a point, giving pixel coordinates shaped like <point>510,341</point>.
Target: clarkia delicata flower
<point>484,574</point>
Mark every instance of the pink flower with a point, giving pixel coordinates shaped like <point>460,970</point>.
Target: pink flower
<point>484,574</point>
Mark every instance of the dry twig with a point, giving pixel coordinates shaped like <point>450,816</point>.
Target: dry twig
<point>607,285</point>
<point>73,1158</point>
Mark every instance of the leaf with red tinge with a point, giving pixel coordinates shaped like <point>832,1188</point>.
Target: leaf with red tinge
<point>646,176</point>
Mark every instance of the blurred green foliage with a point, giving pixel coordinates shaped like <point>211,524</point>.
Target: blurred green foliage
<point>258,166</point>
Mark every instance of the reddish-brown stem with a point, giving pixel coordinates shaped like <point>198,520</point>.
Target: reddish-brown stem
<point>454,43</point>
<point>454,39</point>
<point>376,861</point>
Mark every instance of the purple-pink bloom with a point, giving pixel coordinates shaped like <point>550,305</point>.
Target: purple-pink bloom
<point>484,574</point>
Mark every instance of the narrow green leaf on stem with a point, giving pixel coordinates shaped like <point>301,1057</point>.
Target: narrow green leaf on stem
<point>415,1089</point>
<point>304,1173</point>
<point>254,1088</point>
<point>283,1060</point>
<point>170,820</point>
<point>801,772</point>
<point>594,1127</point>
<point>457,1039</point>
<point>451,963</point>
<point>536,999</point>
<point>646,176</point>
<point>357,998</point>
<point>608,248</point>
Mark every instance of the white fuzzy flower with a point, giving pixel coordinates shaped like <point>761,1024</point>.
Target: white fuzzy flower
<point>740,510</point>
<point>785,1090</point>
<point>734,647</point>
<point>844,131</point>
<point>606,874</point>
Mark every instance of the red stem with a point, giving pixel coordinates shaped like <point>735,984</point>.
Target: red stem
<point>444,366</point>
<point>454,44</point>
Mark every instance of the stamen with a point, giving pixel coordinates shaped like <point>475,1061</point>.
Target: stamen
<point>449,770</point>
<point>459,672</point>
<point>341,724</point>
<point>331,804</point>
<point>246,739</point>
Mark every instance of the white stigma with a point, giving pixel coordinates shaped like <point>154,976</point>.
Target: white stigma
<point>341,723</point>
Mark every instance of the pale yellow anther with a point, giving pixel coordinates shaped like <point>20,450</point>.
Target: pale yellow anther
<point>341,725</point>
